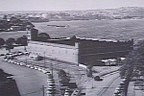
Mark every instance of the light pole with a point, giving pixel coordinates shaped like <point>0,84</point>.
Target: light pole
<point>134,89</point>
<point>51,67</point>
<point>44,60</point>
<point>92,84</point>
<point>43,90</point>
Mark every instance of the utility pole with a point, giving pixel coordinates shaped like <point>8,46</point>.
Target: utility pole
<point>26,60</point>
<point>52,68</point>
<point>44,61</point>
<point>43,90</point>
<point>92,84</point>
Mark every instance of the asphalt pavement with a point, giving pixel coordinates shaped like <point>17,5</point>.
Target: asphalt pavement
<point>78,74</point>
<point>109,90</point>
<point>29,81</point>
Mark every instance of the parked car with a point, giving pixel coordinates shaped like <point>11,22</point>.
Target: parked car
<point>28,65</point>
<point>51,84</point>
<point>6,59</point>
<point>15,62</point>
<point>2,54</point>
<point>50,81</point>
<point>32,66</point>
<point>21,63</point>
<point>97,78</point>
<point>48,73</point>
<point>35,67</point>
<point>26,53</point>
<point>44,71</point>
<point>117,92</point>
<point>18,63</point>
<point>51,89</point>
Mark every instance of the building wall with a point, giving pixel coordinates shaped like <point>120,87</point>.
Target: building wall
<point>91,52</point>
<point>80,50</point>
<point>54,51</point>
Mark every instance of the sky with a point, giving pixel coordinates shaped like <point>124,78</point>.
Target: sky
<point>50,5</point>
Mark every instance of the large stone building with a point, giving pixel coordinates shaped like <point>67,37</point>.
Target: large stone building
<point>79,50</point>
<point>60,52</point>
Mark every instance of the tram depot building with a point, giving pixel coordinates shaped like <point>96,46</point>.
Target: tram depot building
<point>79,50</point>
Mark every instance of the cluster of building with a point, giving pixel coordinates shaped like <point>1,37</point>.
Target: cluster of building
<point>14,24</point>
<point>79,50</point>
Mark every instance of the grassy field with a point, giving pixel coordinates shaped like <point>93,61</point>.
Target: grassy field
<point>109,29</point>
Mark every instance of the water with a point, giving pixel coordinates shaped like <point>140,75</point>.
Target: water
<point>110,29</point>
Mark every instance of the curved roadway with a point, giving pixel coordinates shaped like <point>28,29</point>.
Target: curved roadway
<point>29,81</point>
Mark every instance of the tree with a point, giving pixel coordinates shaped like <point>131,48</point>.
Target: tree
<point>2,42</point>
<point>64,79</point>
<point>4,25</point>
<point>23,41</point>
<point>5,17</point>
<point>29,25</point>
<point>43,37</point>
<point>18,40</point>
<point>62,73</point>
<point>9,43</point>
<point>134,61</point>
<point>74,37</point>
<point>89,70</point>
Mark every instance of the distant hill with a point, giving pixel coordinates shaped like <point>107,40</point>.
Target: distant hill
<point>118,13</point>
<point>127,12</point>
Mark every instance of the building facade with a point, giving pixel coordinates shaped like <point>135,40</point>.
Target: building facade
<point>80,50</point>
<point>60,52</point>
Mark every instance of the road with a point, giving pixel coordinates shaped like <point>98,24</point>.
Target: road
<point>109,90</point>
<point>105,87</point>
<point>102,88</point>
<point>29,81</point>
<point>74,70</point>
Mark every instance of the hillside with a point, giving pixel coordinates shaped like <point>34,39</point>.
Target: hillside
<point>118,13</point>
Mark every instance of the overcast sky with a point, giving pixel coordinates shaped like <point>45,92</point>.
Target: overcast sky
<point>20,5</point>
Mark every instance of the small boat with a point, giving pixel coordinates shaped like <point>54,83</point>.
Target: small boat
<point>58,26</point>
